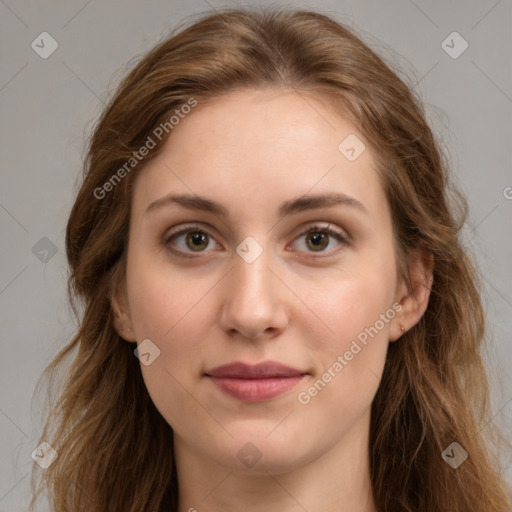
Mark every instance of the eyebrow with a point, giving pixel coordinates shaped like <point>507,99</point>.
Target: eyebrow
<point>293,206</point>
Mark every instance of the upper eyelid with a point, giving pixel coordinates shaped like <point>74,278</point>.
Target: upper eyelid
<point>198,227</point>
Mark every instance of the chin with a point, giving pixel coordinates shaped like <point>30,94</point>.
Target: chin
<point>259,455</point>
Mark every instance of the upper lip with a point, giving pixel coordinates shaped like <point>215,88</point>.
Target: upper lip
<point>263,370</point>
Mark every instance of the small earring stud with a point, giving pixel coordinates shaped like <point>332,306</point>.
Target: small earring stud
<point>402,327</point>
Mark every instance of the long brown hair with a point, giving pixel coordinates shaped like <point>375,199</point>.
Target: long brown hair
<point>114,448</point>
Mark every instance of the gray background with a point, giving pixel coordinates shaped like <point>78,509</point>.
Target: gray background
<point>49,105</point>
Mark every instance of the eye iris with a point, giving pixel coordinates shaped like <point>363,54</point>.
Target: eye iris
<point>196,237</point>
<point>319,240</point>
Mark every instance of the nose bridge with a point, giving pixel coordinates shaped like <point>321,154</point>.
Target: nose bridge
<point>252,301</point>
<point>253,277</point>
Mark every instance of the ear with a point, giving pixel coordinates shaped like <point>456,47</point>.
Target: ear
<point>121,312</point>
<point>413,296</point>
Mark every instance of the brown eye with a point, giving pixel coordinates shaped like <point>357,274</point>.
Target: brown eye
<point>318,238</point>
<point>189,240</point>
<point>317,241</point>
<point>196,240</point>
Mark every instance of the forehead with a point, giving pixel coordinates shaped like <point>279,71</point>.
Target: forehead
<point>249,149</point>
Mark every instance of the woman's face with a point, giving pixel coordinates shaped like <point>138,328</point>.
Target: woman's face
<point>241,268</point>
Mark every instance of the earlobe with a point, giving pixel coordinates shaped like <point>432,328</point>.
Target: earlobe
<point>414,296</point>
<point>122,320</point>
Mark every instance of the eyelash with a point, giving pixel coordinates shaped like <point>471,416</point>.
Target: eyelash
<point>312,229</point>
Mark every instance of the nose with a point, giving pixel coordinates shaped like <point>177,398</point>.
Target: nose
<point>253,300</point>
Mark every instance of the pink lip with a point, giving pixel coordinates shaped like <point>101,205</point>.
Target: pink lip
<point>255,383</point>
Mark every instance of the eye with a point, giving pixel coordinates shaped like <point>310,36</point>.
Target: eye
<point>318,238</point>
<point>194,239</point>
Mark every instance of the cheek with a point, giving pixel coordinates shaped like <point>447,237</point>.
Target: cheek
<point>161,300</point>
<point>177,324</point>
<point>354,303</point>
<point>173,313</point>
<point>173,316</point>
<point>351,347</point>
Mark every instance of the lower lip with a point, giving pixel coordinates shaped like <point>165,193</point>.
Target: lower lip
<point>256,390</point>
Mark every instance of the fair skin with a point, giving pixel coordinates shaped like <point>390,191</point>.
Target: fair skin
<point>251,151</point>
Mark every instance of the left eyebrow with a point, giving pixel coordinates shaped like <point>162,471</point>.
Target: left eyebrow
<point>293,206</point>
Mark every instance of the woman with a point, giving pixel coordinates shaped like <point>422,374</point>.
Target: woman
<point>277,311</point>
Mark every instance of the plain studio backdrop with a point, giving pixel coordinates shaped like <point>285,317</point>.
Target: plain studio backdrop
<point>456,54</point>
